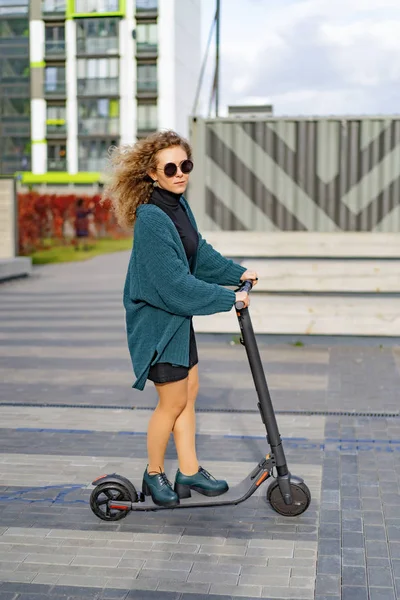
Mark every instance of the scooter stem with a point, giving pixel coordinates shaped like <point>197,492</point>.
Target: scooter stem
<point>265,403</point>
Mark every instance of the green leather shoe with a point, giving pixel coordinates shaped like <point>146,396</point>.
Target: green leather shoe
<point>160,489</point>
<point>202,482</point>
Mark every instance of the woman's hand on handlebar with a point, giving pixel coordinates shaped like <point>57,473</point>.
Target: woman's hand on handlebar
<point>243,297</point>
<point>252,275</point>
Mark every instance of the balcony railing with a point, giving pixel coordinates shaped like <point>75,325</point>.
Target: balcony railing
<point>96,6</point>
<point>98,87</point>
<point>97,45</point>
<point>54,48</point>
<point>146,126</point>
<point>54,7</point>
<point>147,86</point>
<point>56,164</point>
<point>92,164</point>
<point>14,90</point>
<point>56,127</point>
<point>56,88</point>
<point>8,166</point>
<point>14,47</point>
<point>15,125</point>
<point>146,5</point>
<point>99,126</point>
<point>146,48</point>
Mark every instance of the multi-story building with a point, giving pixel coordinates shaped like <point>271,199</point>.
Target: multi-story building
<point>15,136</point>
<point>101,73</point>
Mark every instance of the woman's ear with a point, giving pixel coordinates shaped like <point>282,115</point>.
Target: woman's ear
<point>151,174</point>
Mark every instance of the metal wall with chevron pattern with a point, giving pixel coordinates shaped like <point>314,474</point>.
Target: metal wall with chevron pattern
<point>308,174</point>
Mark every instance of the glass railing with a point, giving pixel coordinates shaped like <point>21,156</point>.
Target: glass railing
<point>56,164</point>
<point>56,88</point>
<point>146,48</point>
<point>54,7</point>
<point>146,5</point>
<point>55,48</point>
<point>96,6</point>
<point>147,85</point>
<point>87,87</point>
<point>97,45</point>
<point>144,126</point>
<point>56,129</point>
<point>15,125</point>
<point>99,126</point>
<point>92,164</point>
<point>9,166</point>
<point>13,47</point>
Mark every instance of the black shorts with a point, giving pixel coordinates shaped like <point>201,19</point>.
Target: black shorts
<point>165,372</point>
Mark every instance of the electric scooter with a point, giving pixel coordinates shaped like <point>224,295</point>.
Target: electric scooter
<point>114,495</point>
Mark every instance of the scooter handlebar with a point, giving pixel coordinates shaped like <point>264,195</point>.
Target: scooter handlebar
<point>246,287</point>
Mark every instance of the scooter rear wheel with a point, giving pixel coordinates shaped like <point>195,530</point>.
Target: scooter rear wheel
<point>301,498</point>
<point>105,493</point>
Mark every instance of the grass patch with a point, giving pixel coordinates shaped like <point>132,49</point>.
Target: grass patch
<point>297,344</point>
<point>62,254</point>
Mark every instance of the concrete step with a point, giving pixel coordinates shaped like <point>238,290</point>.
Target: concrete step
<point>312,315</point>
<point>346,276</point>
<point>305,244</point>
<point>11,268</point>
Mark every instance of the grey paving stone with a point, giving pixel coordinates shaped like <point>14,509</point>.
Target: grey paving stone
<point>162,574</point>
<point>353,557</point>
<point>380,577</point>
<point>354,593</point>
<point>207,577</point>
<point>354,576</point>
<point>254,591</point>
<point>377,549</point>
<point>327,584</point>
<point>376,593</point>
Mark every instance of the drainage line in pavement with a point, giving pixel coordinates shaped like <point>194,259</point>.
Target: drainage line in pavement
<point>318,413</point>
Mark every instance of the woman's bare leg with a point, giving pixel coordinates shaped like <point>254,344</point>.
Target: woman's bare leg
<point>184,429</point>
<point>173,398</point>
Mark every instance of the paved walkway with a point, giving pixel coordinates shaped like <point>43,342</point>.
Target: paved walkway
<point>65,417</point>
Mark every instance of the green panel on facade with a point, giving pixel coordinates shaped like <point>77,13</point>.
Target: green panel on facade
<point>60,178</point>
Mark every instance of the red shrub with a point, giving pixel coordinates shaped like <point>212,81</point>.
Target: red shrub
<point>43,217</point>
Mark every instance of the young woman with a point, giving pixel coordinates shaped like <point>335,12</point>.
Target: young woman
<point>173,274</point>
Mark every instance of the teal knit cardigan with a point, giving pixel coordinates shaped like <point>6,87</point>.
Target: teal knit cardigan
<point>161,293</point>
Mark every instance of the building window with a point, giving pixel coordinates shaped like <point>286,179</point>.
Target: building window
<point>144,5</point>
<point>96,6</point>
<point>97,76</point>
<point>147,77</point>
<point>93,154</point>
<point>14,28</point>
<point>13,69</point>
<point>55,40</point>
<point>56,119</point>
<point>56,157</point>
<point>97,36</point>
<point>99,116</point>
<point>147,118</point>
<point>14,7</point>
<point>146,37</point>
<point>54,80</point>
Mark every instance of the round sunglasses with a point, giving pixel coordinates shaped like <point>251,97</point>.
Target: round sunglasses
<point>171,169</point>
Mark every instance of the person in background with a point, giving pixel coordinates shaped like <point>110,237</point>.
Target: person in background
<point>82,224</point>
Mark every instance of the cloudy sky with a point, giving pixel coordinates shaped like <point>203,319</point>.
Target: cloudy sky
<point>309,57</point>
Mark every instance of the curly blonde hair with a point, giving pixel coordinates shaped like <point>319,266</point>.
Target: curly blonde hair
<point>128,184</point>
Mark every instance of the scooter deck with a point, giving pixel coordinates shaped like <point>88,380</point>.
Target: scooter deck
<point>235,495</point>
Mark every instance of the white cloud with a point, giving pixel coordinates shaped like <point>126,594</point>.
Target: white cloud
<point>313,56</point>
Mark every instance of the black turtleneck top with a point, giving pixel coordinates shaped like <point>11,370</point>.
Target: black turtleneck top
<point>169,203</point>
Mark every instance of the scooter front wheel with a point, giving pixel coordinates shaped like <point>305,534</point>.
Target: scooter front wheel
<point>301,498</point>
<point>103,495</point>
